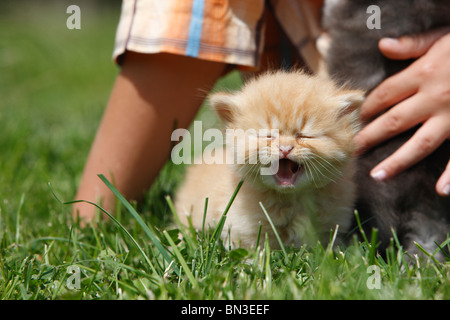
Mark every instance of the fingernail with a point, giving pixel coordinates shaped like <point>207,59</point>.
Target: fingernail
<point>379,175</point>
<point>389,42</point>
<point>446,190</point>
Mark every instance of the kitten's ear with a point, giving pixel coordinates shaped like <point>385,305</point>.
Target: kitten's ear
<point>350,101</point>
<point>225,104</point>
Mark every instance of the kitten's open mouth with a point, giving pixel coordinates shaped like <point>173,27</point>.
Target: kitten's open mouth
<point>288,172</point>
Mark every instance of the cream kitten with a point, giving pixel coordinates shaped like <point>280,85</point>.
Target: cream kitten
<point>301,125</point>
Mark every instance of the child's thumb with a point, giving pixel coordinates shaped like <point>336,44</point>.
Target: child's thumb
<point>413,46</point>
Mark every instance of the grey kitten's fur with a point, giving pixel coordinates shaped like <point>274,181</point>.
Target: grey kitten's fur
<point>407,203</point>
<point>354,56</point>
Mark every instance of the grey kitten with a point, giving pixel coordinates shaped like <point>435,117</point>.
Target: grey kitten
<point>407,203</point>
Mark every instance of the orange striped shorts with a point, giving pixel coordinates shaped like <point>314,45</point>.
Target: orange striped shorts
<point>235,32</point>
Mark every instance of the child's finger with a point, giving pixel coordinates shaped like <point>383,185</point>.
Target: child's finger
<point>402,117</point>
<point>422,143</point>
<point>408,47</point>
<point>443,184</point>
<point>389,92</point>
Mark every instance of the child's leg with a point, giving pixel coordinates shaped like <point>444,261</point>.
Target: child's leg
<point>133,140</point>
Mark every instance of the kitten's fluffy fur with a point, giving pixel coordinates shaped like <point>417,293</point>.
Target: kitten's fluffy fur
<point>312,191</point>
<point>407,203</point>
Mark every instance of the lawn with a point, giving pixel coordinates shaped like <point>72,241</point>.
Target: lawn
<point>54,84</point>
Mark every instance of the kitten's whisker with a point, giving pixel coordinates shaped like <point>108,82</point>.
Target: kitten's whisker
<point>249,170</point>
<point>318,163</point>
<point>254,171</point>
<point>317,170</point>
<point>339,161</point>
<point>334,170</point>
<point>308,170</point>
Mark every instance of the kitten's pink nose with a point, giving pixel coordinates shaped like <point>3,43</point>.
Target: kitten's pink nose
<point>285,150</point>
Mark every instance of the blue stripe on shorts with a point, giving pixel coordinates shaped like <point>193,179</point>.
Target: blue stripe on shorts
<point>195,29</point>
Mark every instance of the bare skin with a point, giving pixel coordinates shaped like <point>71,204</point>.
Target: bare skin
<point>419,95</point>
<point>150,95</point>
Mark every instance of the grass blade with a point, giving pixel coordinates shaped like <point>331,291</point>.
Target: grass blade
<point>218,230</point>
<point>189,240</point>
<point>220,225</point>
<point>332,240</point>
<point>361,230</point>
<point>116,222</point>
<point>268,269</point>
<point>204,217</point>
<point>276,233</point>
<point>22,199</point>
<point>258,238</point>
<point>429,255</point>
<point>121,227</point>
<point>181,260</point>
<point>440,247</point>
<point>373,246</point>
<point>138,218</point>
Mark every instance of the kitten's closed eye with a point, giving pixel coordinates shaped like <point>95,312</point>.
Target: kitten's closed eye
<point>301,136</point>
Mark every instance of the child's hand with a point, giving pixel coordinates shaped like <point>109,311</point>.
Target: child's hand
<point>418,94</point>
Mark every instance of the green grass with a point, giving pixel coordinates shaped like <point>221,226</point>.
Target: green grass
<point>54,84</point>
